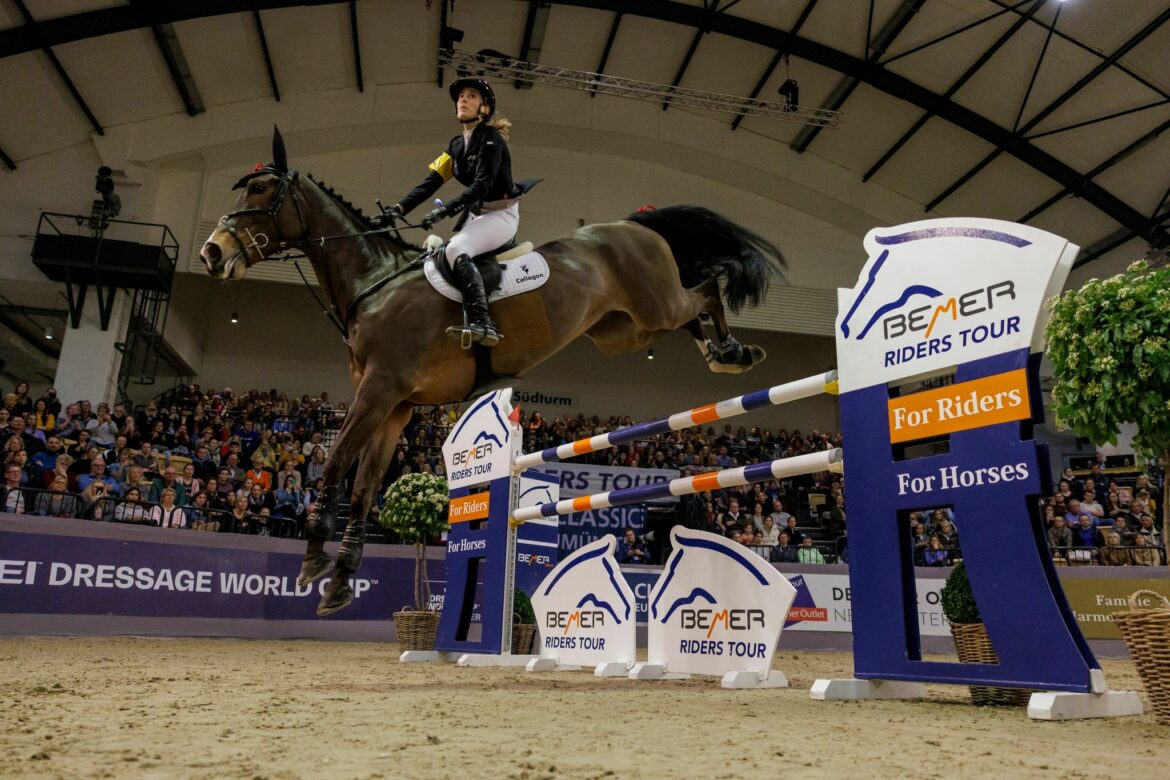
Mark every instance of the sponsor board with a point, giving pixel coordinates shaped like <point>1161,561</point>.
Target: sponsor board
<point>582,479</point>
<point>717,607</point>
<point>940,292</point>
<point>479,449</point>
<point>586,610</point>
<point>1095,600</point>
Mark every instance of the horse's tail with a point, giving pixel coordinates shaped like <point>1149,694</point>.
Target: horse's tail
<point>707,245</point>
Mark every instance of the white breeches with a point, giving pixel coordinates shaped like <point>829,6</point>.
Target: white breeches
<point>484,233</point>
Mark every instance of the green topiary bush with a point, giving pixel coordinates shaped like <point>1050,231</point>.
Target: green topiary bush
<point>958,602</point>
<point>522,611</point>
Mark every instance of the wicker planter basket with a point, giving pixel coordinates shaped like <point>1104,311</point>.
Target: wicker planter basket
<point>416,629</point>
<point>1147,635</point>
<point>975,648</point>
<point>522,634</point>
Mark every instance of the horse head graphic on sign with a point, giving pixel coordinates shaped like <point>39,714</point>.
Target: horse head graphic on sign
<point>586,609</point>
<point>717,607</point>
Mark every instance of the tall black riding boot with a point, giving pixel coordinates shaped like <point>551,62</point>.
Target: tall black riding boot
<point>479,320</point>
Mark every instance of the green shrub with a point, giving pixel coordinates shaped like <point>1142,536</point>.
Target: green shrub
<point>958,602</point>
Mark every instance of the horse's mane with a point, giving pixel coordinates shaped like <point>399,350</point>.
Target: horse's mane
<point>355,213</point>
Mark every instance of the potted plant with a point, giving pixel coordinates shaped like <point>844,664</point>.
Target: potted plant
<point>415,508</point>
<point>971,640</point>
<point>523,623</point>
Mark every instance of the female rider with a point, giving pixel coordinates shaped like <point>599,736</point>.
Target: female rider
<point>479,159</point>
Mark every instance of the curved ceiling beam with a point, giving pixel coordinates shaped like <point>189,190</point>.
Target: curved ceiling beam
<point>896,86</point>
<point>53,32</point>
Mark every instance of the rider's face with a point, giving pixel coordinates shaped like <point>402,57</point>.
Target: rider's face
<point>467,107</point>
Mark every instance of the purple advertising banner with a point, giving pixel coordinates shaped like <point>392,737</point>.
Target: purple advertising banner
<point>56,573</point>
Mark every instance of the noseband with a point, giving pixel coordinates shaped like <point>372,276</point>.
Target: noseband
<point>257,240</point>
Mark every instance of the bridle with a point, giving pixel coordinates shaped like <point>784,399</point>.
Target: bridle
<point>257,240</point>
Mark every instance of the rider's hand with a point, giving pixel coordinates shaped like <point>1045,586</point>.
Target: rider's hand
<point>432,217</point>
<point>385,220</point>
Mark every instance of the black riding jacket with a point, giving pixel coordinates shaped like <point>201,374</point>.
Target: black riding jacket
<point>484,167</point>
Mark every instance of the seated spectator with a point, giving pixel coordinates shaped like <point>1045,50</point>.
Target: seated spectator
<point>199,517</point>
<point>287,469</point>
<point>1147,529</point>
<point>62,466</point>
<point>631,549</point>
<point>102,428</point>
<point>1092,507</point>
<point>315,467</point>
<point>168,514</point>
<point>948,537</point>
<point>232,465</point>
<point>96,497</point>
<point>32,445</point>
<point>240,519</point>
<point>1060,536</point>
<point>935,555</point>
<point>756,521</point>
<point>921,541</point>
<point>1085,541</point>
<point>794,536</point>
<point>43,419</point>
<point>131,509</point>
<point>58,502</point>
<point>769,534</point>
<point>146,457</point>
<point>1112,553</point>
<point>806,553</point>
<point>14,499</point>
<point>266,452</point>
<point>733,518</point>
<point>97,473</point>
<point>287,499</point>
<point>80,450</point>
<point>783,552</point>
<point>836,522</point>
<point>1142,553</point>
<point>205,467</point>
<point>259,474</point>
<point>258,498</point>
<point>749,538</point>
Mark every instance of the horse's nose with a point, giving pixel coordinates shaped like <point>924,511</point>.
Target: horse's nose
<point>212,256</point>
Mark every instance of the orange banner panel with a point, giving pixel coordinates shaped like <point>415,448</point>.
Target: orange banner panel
<point>987,401</point>
<point>466,508</point>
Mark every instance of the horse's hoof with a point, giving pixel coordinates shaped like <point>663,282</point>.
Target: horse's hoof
<point>313,569</point>
<point>758,355</point>
<point>335,598</point>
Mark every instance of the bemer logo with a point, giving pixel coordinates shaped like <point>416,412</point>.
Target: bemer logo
<point>923,318</point>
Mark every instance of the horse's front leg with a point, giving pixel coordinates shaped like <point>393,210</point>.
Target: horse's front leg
<point>372,465</point>
<point>372,405</point>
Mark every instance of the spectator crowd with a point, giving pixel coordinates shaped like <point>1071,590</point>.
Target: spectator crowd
<point>254,463</point>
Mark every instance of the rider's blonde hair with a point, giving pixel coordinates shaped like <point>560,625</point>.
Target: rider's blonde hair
<point>502,124</point>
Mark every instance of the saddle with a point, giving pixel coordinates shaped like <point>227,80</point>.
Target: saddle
<point>508,270</point>
<point>489,263</point>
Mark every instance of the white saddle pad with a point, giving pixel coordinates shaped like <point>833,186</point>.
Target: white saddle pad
<point>521,274</point>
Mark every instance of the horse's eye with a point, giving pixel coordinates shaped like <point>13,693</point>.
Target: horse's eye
<point>256,188</point>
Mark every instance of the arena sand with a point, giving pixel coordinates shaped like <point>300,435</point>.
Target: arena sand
<point>224,708</point>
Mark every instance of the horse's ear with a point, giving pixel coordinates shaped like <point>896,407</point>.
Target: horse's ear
<point>279,158</point>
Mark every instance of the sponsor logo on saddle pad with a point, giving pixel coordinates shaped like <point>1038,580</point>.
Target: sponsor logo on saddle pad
<point>718,607</point>
<point>521,274</point>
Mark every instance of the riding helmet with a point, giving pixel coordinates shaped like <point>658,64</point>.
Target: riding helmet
<point>481,86</point>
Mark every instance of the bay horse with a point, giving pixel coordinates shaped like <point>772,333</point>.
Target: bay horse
<point>622,284</point>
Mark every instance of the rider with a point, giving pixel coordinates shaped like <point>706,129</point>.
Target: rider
<point>479,159</point>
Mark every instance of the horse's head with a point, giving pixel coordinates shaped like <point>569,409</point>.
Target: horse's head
<point>267,217</point>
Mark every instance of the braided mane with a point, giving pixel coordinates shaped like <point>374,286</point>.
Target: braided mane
<point>353,210</point>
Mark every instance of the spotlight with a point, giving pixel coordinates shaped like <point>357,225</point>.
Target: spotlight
<point>235,318</point>
<point>650,354</point>
<point>790,91</point>
<point>49,333</point>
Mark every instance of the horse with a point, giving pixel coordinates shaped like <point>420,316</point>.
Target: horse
<point>622,284</point>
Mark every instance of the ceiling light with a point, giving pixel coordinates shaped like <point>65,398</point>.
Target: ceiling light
<point>49,333</point>
<point>235,318</point>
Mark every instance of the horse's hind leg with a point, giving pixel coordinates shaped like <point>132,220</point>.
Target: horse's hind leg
<point>723,352</point>
<point>372,464</point>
